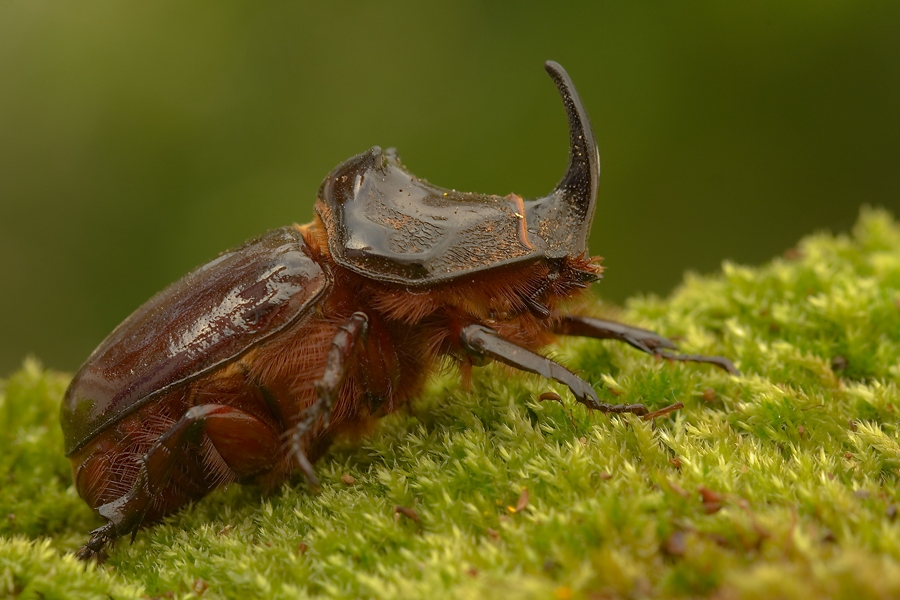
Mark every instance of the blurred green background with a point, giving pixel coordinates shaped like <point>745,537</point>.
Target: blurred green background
<point>137,140</point>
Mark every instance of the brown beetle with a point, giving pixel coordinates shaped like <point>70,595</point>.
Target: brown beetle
<point>246,368</point>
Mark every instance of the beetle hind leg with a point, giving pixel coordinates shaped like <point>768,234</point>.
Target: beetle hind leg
<point>483,342</point>
<point>247,445</point>
<point>327,388</point>
<point>642,339</point>
<point>100,537</point>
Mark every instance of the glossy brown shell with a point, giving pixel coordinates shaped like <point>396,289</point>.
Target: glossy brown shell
<point>385,223</point>
<point>200,323</point>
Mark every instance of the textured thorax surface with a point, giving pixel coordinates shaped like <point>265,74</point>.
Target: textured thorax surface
<point>387,224</point>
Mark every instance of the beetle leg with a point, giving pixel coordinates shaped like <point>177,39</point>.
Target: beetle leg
<point>99,538</point>
<point>484,342</point>
<point>327,388</point>
<point>537,308</point>
<point>643,340</point>
<point>221,423</point>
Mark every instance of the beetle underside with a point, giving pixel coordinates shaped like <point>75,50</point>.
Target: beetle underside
<point>252,373</point>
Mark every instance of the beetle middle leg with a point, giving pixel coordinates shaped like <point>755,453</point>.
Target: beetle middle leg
<point>642,339</point>
<point>484,342</point>
<point>327,388</point>
<point>247,445</point>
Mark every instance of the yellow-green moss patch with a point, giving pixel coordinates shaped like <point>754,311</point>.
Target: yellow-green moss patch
<point>780,482</point>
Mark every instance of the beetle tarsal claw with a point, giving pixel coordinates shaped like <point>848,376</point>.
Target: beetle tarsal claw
<point>100,537</point>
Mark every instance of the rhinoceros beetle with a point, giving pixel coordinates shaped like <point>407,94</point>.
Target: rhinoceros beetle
<point>245,369</point>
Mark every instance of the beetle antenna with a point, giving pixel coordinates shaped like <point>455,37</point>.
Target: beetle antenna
<point>579,185</point>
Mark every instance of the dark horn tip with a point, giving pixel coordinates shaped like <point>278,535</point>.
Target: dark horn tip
<point>560,78</point>
<point>579,126</point>
<point>554,68</point>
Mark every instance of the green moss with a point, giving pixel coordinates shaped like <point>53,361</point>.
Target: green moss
<point>780,482</point>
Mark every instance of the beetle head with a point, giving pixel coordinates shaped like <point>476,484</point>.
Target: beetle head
<point>384,222</point>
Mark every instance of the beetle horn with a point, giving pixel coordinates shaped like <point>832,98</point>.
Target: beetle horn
<point>579,184</point>
<point>569,210</point>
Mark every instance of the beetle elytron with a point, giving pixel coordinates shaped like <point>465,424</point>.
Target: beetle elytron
<point>246,368</point>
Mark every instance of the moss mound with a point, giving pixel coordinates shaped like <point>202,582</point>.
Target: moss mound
<point>780,482</point>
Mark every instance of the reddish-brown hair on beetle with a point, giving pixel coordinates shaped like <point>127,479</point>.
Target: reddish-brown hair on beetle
<point>246,368</point>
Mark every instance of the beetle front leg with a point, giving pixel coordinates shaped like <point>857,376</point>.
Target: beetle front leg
<point>484,342</point>
<point>643,340</point>
<point>327,388</point>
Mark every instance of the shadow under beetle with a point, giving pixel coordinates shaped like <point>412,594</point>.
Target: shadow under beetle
<point>246,368</point>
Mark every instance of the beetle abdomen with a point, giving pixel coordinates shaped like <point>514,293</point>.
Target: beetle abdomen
<point>213,430</point>
<point>106,468</point>
<point>207,319</point>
